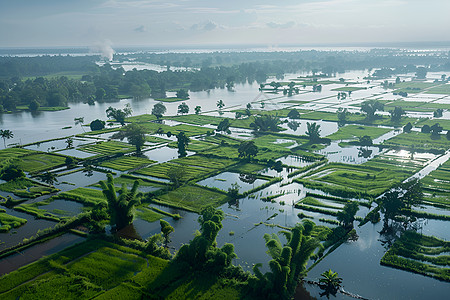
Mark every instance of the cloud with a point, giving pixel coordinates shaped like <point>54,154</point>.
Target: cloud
<point>281,25</point>
<point>205,26</point>
<point>141,28</point>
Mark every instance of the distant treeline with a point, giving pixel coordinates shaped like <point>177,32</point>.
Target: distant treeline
<point>109,83</point>
<point>328,62</point>
<point>45,65</point>
<point>217,69</point>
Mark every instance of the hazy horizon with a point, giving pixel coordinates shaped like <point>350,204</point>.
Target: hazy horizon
<point>200,23</point>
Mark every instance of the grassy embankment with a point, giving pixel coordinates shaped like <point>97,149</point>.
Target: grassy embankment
<point>420,141</point>
<point>354,180</point>
<point>26,188</point>
<point>437,186</point>
<point>420,254</point>
<point>126,163</point>
<point>7,222</point>
<point>353,132</point>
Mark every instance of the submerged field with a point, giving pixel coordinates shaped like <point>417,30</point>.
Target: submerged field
<point>288,180</point>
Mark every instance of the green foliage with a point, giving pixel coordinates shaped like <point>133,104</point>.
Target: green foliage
<point>402,196</point>
<point>370,107</point>
<point>247,149</point>
<point>182,94</point>
<point>224,126</point>
<point>287,264</point>
<point>265,123</point>
<point>293,114</point>
<point>313,131</point>
<point>233,191</point>
<point>135,135</point>
<point>119,114</point>
<point>330,282</point>
<point>166,230</point>
<point>159,110</point>
<point>397,113</point>
<point>183,108</point>
<point>7,222</point>
<point>121,208</point>
<point>420,254</point>
<point>11,171</point>
<point>182,142</point>
<point>347,215</point>
<point>97,125</point>
<point>6,134</point>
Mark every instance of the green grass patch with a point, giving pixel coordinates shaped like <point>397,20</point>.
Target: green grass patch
<point>420,254</point>
<point>81,271</point>
<point>223,152</point>
<point>204,162</point>
<point>156,139</point>
<point>146,214</point>
<point>11,153</point>
<point>107,148</point>
<point>349,89</point>
<point>40,162</point>
<point>86,196</point>
<point>197,119</point>
<point>126,163</point>
<point>141,118</point>
<point>7,222</point>
<point>413,86</point>
<point>26,188</point>
<point>195,145</point>
<point>420,141</point>
<point>357,119</point>
<point>311,201</point>
<point>189,130</point>
<point>145,185</point>
<point>354,180</point>
<point>192,198</point>
<point>161,171</point>
<point>248,168</point>
<point>170,99</point>
<point>440,89</point>
<point>352,132</point>
<point>430,122</point>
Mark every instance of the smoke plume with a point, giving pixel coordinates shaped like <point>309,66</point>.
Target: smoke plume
<point>105,49</point>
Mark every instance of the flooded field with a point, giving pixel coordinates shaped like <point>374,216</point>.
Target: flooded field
<point>265,208</point>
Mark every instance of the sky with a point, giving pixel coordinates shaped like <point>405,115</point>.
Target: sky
<point>153,23</point>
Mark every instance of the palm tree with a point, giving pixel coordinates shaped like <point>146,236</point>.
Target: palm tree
<point>80,121</point>
<point>288,261</point>
<point>220,104</point>
<point>121,206</point>
<point>6,134</point>
<point>331,281</point>
<point>48,177</point>
<point>313,131</point>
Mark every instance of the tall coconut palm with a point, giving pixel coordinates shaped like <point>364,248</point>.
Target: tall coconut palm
<point>79,121</point>
<point>288,261</point>
<point>120,205</point>
<point>312,131</point>
<point>6,134</point>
